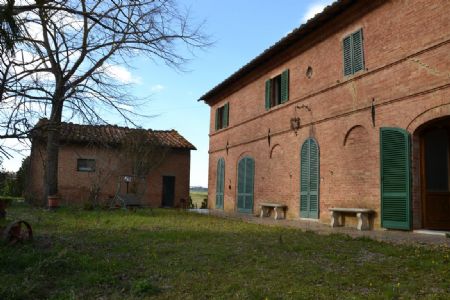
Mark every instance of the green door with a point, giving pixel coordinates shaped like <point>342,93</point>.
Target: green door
<point>220,183</point>
<point>309,180</point>
<point>395,178</point>
<point>246,175</point>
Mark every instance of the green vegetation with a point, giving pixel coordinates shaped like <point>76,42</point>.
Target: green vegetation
<point>172,254</point>
<point>198,197</point>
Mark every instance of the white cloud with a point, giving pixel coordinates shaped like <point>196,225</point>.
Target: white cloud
<point>157,88</point>
<point>121,74</point>
<point>312,11</point>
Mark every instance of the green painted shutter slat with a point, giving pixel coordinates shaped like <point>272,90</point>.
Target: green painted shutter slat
<point>395,178</point>
<point>268,90</point>
<point>217,119</point>
<point>226,110</point>
<point>241,184</point>
<point>304,180</point>
<point>285,86</point>
<point>249,167</point>
<point>220,183</point>
<point>358,51</point>
<point>309,179</point>
<point>314,180</point>
<point>347,48</point>
<point>246,175</point>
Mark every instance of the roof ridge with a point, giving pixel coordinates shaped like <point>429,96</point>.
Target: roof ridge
<point>111,134</point>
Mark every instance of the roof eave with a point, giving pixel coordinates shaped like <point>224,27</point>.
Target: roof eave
<point>297,34</point>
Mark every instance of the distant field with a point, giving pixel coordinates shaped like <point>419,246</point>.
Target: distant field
<point>197,198</point>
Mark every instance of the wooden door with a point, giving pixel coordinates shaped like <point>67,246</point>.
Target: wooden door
<point>435,177</point>
<point>168,191</point>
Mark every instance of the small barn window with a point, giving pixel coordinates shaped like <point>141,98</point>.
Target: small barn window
<point>85,165</point>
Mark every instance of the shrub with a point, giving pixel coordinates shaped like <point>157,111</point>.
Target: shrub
<point>204,203</point>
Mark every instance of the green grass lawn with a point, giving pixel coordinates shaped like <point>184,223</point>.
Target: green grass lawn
<point>197,197</point>
<point>170,254</point>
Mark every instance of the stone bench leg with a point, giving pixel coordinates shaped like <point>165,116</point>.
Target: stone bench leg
<point>265,212</point>
<point>276,213</point>
<point>335,219</point>
<point>363,221</point>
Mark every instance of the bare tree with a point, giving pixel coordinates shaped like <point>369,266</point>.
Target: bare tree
<point>63,53</point>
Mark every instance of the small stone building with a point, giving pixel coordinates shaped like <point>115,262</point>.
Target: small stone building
<point>97,161</point>
<point>352,110</point>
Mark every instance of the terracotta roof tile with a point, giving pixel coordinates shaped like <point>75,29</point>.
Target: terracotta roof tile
<point>110,134</point>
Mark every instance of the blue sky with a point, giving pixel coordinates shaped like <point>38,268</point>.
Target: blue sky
<point>241,29</point>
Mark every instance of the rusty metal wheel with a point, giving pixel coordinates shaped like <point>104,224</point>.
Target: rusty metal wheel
<point>17,231</point>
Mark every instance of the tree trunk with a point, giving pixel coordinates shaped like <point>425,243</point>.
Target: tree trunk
<point>51,167</point>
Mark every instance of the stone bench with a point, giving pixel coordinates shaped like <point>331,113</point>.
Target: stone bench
<point>266,208</point>
<point>363,215</point>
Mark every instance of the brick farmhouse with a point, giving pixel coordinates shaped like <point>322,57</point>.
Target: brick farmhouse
<point>94,161</point>
<point>350,110</point>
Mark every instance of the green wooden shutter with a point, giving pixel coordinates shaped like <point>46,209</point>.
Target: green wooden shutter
<point>309,179</point>
<point>304,180</point>
<point>285,86</point>
<point>220,183</point>
<point>358,51</point>
<point>249,180</point>
<point>268,92</point>
<point>395,178</point>
<point>217,119</point>
<point>313,179</point>
<point>226,110</point>
<point>246,174</point>
<point>347,48</point>
<point>241,185</point>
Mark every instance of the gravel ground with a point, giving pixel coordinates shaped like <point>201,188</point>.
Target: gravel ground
<point>389,236</point>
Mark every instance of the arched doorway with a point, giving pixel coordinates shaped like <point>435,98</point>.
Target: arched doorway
<point>246,175</point>
<point>434,173</point>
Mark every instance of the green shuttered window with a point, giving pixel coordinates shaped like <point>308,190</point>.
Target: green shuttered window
<point>277,90</point>
<point>309,180</point>
<point>246,179</point>
<point>220,184</point>
<point>222,116</point>
<point>395,178</point>
<point>353,53</point>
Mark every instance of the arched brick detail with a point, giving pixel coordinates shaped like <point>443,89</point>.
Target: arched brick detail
<point>430,114</point>
<point>244,154</point>
<point>275,149</point>
<point>413,127</point>
<point>356,169</point>
<point>356,135</point>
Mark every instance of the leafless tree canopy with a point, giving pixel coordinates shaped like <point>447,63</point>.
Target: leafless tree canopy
<point>64,51</point>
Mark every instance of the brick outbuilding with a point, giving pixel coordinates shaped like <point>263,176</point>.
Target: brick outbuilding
<point>98,161</point>
<point>352,109</point>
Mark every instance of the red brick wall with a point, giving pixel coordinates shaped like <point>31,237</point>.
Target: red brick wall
<point>406,46</point>
<point>73,186</point>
